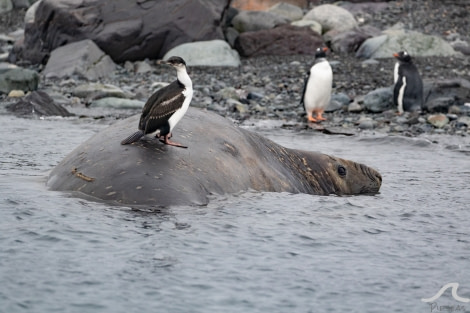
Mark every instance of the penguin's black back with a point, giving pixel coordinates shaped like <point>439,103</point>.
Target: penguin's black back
<point>413,94</point>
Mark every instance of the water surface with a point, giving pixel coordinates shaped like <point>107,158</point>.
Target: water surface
<point>251,252</point>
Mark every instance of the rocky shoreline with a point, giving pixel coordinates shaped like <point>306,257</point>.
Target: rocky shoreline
<point>266,90</point>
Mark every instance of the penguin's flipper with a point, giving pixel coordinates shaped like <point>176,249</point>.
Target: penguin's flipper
<point>133,138</point>
<point>305,88</point>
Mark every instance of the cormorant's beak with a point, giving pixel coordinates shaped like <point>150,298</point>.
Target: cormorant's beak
<point>162,62</point>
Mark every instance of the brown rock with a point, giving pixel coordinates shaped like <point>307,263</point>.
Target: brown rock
<point>281,40</point>
<point>261,5</point>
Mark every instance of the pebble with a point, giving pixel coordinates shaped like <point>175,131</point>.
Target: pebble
<point>16,94</point>
<point>438,120</point>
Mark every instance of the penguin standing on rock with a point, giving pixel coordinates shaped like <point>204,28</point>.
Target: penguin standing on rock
<point>165,108</point>
<point>408,90</point>
<point>316,94</point>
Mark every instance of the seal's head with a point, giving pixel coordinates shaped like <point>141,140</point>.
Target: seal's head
<point>342,177</point>
<point>351,178</point>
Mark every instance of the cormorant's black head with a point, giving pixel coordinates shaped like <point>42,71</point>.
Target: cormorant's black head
<point>402,56</point>
<point>321,52</point>
<point>174,61</point>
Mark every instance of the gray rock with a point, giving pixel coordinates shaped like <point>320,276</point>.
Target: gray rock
<point>6,6</point>
<point>117,103</point>
<point>461,46</point>
<point>22,4</point>
<point>331,17</point>
<point>142,67</point>
<point>355,107</point>
<point>349,41</point>
<point>370,46</point>
<point>417,44</point>
<point>333,106</point>
<point>231,35</point>
<point>441,95</point>
<point>17,78</point>
<point>282,40</point>
<point>379,100</point>
<point>38,103</point>
<point>336,103</point>
<point>124,30</point>
<point>342,98</point>
<point>366,123</point>
<point>369,62</point>
<point>81,58</point>
<point>439,104</point>
<point>464,120</point>
<point>5,39</point>
<point>97,90</point>
<point>228,93</point>
<point>206,53</point>
<point>288,11</point>
<point>31,12</point>
<point>248,21</point>
<point>315,26</point>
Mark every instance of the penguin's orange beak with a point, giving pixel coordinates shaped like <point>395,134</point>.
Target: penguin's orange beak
<point>395,55</point>
<point>325,49</point>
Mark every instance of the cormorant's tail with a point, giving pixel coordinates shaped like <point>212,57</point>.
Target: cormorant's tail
<point>133,138</point>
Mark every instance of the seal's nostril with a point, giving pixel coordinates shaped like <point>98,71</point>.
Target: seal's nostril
<point>379,177</point>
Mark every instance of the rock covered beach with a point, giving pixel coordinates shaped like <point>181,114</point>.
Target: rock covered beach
<point>267,88</point>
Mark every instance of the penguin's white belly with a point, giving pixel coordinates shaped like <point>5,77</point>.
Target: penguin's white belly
<point>318,92</point>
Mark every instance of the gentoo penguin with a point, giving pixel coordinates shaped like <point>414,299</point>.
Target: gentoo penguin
<point>165,108</point>
<point>317,87</point>
<point>408,90</point>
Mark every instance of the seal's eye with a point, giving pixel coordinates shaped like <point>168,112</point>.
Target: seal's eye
<point>341,171</point>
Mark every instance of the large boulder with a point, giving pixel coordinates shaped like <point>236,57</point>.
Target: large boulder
<point>6,6</point>
<point>247,21</point>
<point>315,26</point>
<point>282,40</point>
<point>331,17</point>
<point>351,40</point>
<point>288,11</point>
<point>125,30</point>
<point>206,53</point>
<point>82,58</point>
<point>417,44</point>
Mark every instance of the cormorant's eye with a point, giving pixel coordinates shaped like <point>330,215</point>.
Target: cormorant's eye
<point>341,171</point>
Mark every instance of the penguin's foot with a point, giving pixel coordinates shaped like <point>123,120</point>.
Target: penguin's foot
<point>311,119</point>
<point>166,140</point>
<point>320,117</point>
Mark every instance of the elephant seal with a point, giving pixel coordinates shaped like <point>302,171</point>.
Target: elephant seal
<point>221,159</point>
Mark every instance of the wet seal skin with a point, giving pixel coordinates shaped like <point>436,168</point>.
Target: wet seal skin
<point>221,159</point>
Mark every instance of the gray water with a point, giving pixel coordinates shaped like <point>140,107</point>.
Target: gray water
<point>251,252</point>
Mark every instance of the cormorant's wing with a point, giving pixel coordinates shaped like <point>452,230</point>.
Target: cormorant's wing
<point>160,106</point>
